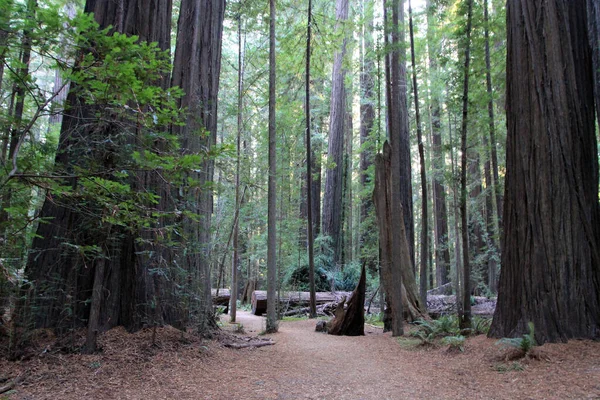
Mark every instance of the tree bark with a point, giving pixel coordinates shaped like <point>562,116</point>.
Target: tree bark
<point>272,194</point>
<point>465,318</point>
<point>550,248</point>
<point>593,18</point>
<point>309,177</point>
<point>332,199</point>
<point>58,272</point>
<point>367,119</point>
<point>424,196</point>
<point>236,260</point>
<point>196,70</point>
<point>407,293</point>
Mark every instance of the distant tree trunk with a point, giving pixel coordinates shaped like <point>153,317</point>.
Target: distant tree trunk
<point>411,306</point>
<point>196,70</point>
<point>309,173</point>
<point>332,200</point>
<point>550,248</point>
<point>424,197</point>
<point>16,124</point>
<point>56,271</point>
<point>493,146</point>
<point>272,190</point>
<point>236,232</point>
<point>457,246</point>
<point>347,236</point>
<point>367,116</point>
<point>4,20</point>
<point>465,318</point>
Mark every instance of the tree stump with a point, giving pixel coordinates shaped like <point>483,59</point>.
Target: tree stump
<point>351,322</point>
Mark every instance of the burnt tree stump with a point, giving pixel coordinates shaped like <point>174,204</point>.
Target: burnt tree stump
<point>351,322</point>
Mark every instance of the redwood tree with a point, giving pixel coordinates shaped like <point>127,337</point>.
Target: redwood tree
<point>550,254</point>
<point>332,198</point>
<point>61,276</point>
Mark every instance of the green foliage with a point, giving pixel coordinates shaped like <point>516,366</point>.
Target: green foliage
<point>455,342</point>
<point>481,325</point>
<point>374,319</point>
<point>430,330</point>
<point>525,343</point>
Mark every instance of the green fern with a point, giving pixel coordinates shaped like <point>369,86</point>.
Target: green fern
<point>455,342</point>
<point>525,343</point>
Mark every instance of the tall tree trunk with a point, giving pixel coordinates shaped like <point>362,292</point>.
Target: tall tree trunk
<point>196,69</point>
<point>424,197</point>
<point>309,172</point>
<point>58,273</point>
<point>550,248</point>
<point>493,198</point>
<point>398,133</point>
<point>332,200</point>
<point>493,146</point>
<point>442,250</point>
<point>272,195</point>
<point>16,125</point>
<point>367,119</point>
<point>236,233</point>
<point>347,245</point>
<point>465,318</point>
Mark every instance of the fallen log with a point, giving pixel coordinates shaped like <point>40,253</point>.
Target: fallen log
<point>248,345</point>
<point>220,297</point>
<point>439,305</point>
<point>445,290</point>
<point>294,299</point>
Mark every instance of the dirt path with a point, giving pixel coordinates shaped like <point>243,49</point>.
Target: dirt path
<point>304,364</point>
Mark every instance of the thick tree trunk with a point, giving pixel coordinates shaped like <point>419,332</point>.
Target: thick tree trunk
<point>196,70</point>
<point>57,271</point>
<point>407,293</point>
<point>272,190</point>
<point>332,199</point>
<point>550,250</point>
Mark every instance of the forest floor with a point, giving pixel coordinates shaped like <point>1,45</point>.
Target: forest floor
<point>303,364</point>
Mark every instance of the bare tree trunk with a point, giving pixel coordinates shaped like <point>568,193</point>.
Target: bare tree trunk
<point>424,197</point>
<point>465,321</point>
<point>397,130</point>
<point>492,124</point>
<point>236,232</point>
<point>309,172</point>
<point>196,69</point>
<point>272,195</point>
<point>550,248</point>
<point>367,119</point>
<point>332,200</point>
